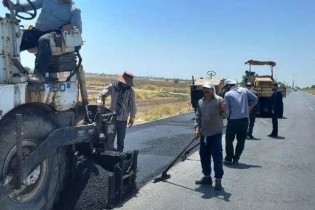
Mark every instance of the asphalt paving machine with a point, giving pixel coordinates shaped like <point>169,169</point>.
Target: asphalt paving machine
<point>262,84</point>
<point>196,92</point>
<point>44,126</point>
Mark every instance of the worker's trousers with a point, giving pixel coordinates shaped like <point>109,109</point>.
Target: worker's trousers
<point>40,39</point>
<point>235,128</point>
<point>211,146</point>
<point>252,118</point>
<point>274,118</point>
<point>121,133</point>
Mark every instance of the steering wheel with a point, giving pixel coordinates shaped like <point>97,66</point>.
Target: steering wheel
<point>211,74</point>
<point>31,14</point>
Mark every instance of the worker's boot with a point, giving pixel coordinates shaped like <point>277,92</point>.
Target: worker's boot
<point>250,136</point>
<point>218,185</point>
<point>204,180</point>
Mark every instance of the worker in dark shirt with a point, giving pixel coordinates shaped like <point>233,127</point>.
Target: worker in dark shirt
<point>253,113</point>
<point>276,109</point>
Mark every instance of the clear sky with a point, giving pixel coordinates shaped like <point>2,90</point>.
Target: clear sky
<point>184,38</point>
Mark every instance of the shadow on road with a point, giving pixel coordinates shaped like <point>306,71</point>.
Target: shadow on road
<point>278,137</point>
<point>269,116</point>
<point>190,159</point>
<point>242,166</point>
<point>208,192</point>
<point>253,138</point>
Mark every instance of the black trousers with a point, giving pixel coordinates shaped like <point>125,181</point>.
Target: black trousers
<point>252,119</point>
<point>36,38</point>
<point>30,39</point>
<point>235,128</point>
<point>121,133</point>
<point>274,124</point>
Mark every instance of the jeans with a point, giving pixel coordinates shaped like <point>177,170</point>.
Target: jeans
<point>212,148</point>
<point>121,133</point>
<point>235,128</point>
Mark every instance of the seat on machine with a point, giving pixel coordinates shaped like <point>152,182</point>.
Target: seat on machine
<point>64,48</point>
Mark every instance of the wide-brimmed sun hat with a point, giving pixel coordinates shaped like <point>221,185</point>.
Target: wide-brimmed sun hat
<point>126,78</point>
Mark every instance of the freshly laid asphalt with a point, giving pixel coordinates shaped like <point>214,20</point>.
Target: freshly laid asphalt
<point>272,173</point>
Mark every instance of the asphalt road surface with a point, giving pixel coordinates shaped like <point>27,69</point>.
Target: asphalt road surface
<point>272,174</point>
<point>159,142</point>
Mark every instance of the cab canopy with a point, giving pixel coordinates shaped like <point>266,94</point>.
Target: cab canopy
<point>253,62</point>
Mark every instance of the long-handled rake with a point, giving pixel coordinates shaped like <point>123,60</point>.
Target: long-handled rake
<point>184,156</point>
<point>164,175</point>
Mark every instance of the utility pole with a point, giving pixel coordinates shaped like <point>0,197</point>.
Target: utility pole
<point>293,81</point>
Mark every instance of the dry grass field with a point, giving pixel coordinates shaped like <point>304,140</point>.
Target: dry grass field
<point>155,98</point>
<point>312,91</point>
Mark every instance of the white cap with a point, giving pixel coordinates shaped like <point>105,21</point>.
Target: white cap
<point>229,82</point>
<point>208,85</point>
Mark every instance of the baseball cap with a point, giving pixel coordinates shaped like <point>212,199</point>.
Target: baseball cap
<point>229,82</point>
<point>208,85</point>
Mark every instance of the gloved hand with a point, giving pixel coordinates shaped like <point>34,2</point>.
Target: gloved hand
<point>197,133</point>
<point>131,121</point>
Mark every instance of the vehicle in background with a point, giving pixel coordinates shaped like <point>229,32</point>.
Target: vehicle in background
<point>262,84</point>
<point>196,87</point>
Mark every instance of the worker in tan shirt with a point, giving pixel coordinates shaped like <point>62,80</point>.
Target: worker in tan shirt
<point>123,102</point>
<point>209,126</point>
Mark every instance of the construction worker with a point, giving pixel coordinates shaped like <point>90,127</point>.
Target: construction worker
<point>56,15</point>
<point>209,126</point>
<point>253,113</point>
<point>238,101</point>
<point>123,102</point>
<point>276,109</point>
